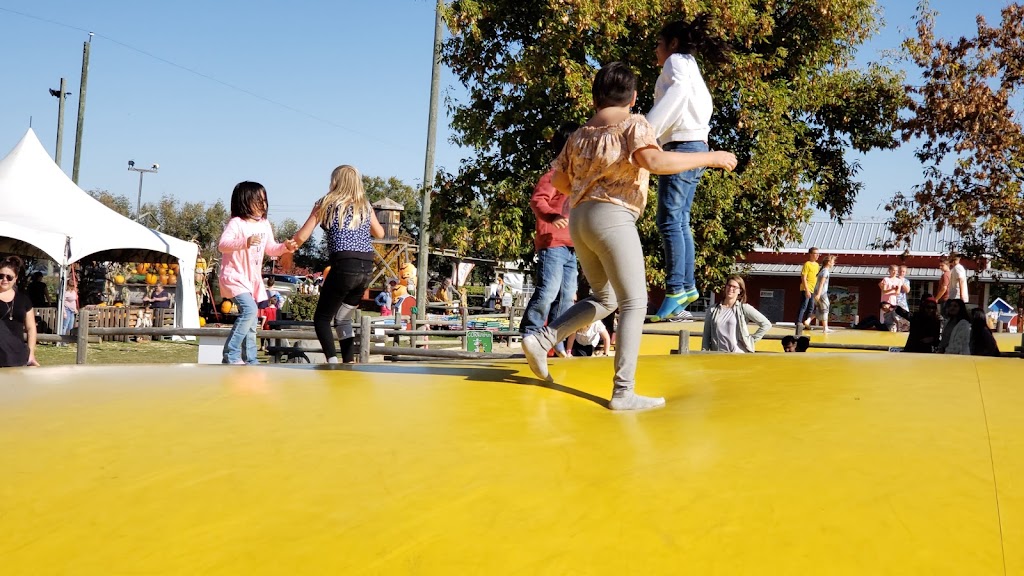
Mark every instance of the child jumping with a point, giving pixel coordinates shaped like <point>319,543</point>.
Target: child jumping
<point>348,220</point>
<point>604,169</point>
<point>246,239</point>
<point>680,119</point>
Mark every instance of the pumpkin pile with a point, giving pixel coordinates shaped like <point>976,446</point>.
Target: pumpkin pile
<point>151,273</point>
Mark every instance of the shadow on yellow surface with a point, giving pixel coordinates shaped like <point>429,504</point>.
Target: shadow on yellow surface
<point>759,464</point>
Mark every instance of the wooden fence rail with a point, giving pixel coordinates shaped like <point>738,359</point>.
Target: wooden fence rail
<point>369,334</point>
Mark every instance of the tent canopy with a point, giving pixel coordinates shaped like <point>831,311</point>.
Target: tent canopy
<point>44,213</point>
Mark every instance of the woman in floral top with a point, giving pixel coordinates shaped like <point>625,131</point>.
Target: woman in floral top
<point>605,169</point>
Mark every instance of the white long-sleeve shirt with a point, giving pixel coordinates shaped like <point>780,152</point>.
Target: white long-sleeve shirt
<point>682,104</point>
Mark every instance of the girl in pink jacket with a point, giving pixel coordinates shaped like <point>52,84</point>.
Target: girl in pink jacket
<point>246,239</point>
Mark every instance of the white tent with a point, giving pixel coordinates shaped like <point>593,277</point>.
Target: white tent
<point>44,214</point>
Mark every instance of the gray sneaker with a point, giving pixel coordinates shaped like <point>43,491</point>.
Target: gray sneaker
<point>682,316</point>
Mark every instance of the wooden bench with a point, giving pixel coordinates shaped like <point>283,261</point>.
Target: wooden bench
<point>281,353</point>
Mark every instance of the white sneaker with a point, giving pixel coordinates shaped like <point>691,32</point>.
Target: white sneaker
<point>828,330</point>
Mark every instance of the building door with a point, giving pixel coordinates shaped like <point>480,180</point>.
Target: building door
<point>772,304</point>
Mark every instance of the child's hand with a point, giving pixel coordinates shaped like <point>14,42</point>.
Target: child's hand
<point>253,240</point>
<point>724,160</point>
<point>291,245</point>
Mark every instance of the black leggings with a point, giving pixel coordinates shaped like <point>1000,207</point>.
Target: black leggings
<point>345,284</point>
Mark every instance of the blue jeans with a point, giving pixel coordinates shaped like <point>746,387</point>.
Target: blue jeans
<point>675,198</point>
<point>556,284</point>
<point>241,343</point>
<point>806,306</point>
<point>68,322</point>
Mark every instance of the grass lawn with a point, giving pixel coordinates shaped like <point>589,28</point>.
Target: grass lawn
<point>159,352</point>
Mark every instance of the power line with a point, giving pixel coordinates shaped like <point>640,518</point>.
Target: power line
<point>389,143</point>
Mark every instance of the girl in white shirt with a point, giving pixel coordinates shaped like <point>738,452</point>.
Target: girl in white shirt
<point>680,118</point>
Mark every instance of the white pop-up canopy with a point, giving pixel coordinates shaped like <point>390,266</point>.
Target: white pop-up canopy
<point>44,214</point>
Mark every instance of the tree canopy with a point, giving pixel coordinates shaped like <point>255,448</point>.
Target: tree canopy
<point>788,102</point>
<point>966,113</point>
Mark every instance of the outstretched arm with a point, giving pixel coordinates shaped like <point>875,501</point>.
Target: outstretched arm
<point>661,162</point>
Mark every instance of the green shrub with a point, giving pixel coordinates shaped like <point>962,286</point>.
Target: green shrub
<point>302,306</point>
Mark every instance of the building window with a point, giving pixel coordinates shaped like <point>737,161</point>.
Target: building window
<point>917,290</point>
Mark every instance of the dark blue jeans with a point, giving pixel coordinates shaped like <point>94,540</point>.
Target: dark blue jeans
<point>556,284</point>
<point>675,198</point>
<point>806,306</point>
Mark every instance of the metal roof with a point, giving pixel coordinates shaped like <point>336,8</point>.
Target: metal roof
<point>853,237</point>
<point>875,272</point>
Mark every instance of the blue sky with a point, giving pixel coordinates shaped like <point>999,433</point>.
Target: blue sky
<point>312,85</point>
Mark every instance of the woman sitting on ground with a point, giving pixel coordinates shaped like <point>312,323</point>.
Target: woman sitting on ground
<point>982,341</point>
<point>725,325</point>
<point>956,336</point>
<point>925,327</point>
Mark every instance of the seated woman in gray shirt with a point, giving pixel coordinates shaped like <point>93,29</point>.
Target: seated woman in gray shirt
<point>725,325</point>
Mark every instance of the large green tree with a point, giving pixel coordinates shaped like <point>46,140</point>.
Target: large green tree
<point>196,221</point>
<point>788,102</point>
<point>966,113</point>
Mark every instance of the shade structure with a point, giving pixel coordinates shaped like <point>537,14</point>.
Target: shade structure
<point>44,214</point>
<point>761,464</point>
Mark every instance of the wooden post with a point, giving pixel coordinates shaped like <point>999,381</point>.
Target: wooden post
<point>83,335</point>
<point>464,311</point>
<point>799,329</point>
<point>364,339</point>
<point>684,341</point>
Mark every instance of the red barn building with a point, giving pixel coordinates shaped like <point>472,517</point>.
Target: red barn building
<point>773,278</point>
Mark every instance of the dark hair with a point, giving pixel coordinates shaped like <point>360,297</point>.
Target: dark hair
<point>982,341</point>
<point>689,36</point>
<point>12,262</point>
<point>803,343</point>
<point>562,136</point>
<point>614,85</point>
<point>247,199</point>
<point>963,315</point>
<point>787,340</point>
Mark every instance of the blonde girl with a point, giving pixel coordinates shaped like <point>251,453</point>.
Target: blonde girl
<point>348,220</point>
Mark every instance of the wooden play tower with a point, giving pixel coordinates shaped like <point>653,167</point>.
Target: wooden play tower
<point>395,249</point>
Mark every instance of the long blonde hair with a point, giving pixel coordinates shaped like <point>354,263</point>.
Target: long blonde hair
<point>346,191</point>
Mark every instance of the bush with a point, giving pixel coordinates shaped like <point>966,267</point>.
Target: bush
<point>302,306</point>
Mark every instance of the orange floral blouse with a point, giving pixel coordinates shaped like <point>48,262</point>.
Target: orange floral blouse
<point>599,162</point>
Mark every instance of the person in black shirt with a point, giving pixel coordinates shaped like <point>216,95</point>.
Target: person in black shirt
<point>17,319</point>
<point>37,291</point>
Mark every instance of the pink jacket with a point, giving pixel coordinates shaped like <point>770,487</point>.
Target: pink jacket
<point>241,267</point>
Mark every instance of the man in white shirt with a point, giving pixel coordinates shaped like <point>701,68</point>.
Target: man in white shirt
<point>958,279</point>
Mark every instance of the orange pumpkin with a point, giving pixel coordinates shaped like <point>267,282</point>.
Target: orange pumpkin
<point>174,267</point>
<point>164,278</point>
<point>152,278</point>
<point>118,304</point>
<point>119,279</point>
<point>202,321</point>
<point>225,306</point>
<point>172,279</point>
<point>141,268</point>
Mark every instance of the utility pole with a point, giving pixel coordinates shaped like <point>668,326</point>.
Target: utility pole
<point>428,169</point>
<point>60,95</point>
<point>81,109</point>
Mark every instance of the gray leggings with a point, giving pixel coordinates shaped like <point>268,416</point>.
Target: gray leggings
<point>608,249</point>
